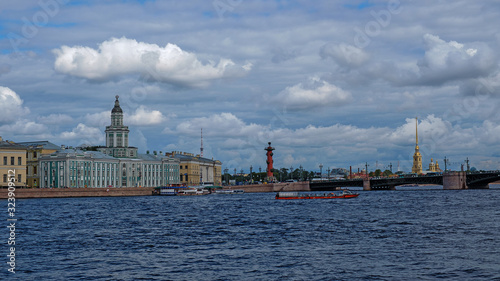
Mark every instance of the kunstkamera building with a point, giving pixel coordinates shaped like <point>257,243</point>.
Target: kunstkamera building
<point>115,165</point>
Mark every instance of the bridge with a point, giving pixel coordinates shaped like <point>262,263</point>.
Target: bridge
<point>449,180</point>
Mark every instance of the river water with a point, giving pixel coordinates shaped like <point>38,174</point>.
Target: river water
<point>381,235</point>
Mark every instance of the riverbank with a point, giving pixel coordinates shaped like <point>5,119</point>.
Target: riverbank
<point>22,193</point>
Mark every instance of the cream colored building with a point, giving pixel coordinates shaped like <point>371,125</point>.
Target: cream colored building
<point>12,163</point>
<point>196,170</point>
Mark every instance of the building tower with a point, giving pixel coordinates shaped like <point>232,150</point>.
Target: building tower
<point>117,135</point>
<point>201,148</point>
<point>417,157</point>
<point>269,149</point>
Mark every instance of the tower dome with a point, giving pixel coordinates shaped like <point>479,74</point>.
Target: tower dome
<point>117,108</point>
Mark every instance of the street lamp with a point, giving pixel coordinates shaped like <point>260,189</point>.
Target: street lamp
<point>226,174</point>
<point>251,176</point>
<point>301,172</point>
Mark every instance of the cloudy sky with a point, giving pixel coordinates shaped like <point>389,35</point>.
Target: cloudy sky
<point>332,82</point>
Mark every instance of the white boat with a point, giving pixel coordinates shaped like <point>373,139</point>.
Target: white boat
<point>193,191</point>
<point>229,191</point>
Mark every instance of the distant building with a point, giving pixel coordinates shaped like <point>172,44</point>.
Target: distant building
<point>434,166</point>
<point>197,170</point>
<point>13,163</point>
<point>34,151</point>
<point>115,165</point>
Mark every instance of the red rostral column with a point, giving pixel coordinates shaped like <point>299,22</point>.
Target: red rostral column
<point>269,162</point>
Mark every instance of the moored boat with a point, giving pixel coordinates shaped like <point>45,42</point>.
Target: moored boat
<point>165,190</point>
<point>180,191</point>
<point>343,194</point>
<point>193,191</point>
<point>229,191</point>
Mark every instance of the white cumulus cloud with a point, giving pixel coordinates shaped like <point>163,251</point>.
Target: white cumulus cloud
<point>312,94</point>
<point>144,117</point>
<point>447,61</point>
<point>84,134</point>
<point>122,56</point>
<point>11,105</point>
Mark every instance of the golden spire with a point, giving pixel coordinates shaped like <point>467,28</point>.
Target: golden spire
<point>416,132</point>
<point>417,157</point>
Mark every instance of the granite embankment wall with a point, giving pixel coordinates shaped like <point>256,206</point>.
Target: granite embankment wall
<point>21,193</point>
<point>274,187</point>
<point>76,192</point>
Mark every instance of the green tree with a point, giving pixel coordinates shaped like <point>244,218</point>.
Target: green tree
<point>387,173</point>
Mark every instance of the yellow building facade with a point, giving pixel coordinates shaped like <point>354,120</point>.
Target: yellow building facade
<point>196,170</point>
<point>33,151</point>
<point>12,163</point>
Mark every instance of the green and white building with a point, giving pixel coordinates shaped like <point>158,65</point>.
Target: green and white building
<point>115,165</point>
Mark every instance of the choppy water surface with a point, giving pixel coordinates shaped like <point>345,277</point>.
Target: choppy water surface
<point>381,235</point>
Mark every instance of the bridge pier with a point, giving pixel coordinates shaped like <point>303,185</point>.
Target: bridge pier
<point>366,185</point>
<point>455,180</point>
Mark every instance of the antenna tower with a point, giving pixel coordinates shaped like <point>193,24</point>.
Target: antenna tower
<point>201,148</point>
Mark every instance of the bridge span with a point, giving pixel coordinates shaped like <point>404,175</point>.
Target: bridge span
<point>449,180</point>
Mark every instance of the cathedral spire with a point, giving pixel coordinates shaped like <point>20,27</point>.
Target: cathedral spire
<point>417,157</point>
<point>416,130</point>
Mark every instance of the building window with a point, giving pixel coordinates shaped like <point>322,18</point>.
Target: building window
<point>34,154</point>
<point>19,161</point>
<point>19,178</point>
<point>12,161</point>
<point>5,160</point>
<point>4,177</point>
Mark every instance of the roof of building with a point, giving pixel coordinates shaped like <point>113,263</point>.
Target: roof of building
<point>11,145</point>
<point>71,152</point>
<point>189,157</point>
<point>44,144</point>
<point>152,157</point>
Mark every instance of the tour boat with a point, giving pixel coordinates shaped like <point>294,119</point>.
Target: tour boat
<point>344,194</point>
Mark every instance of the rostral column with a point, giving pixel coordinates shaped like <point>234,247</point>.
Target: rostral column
<point>269,149</point>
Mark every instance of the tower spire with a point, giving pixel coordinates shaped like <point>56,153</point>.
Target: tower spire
<point>416,129</point>
<point>417,157</point>
<point>201,148</point>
